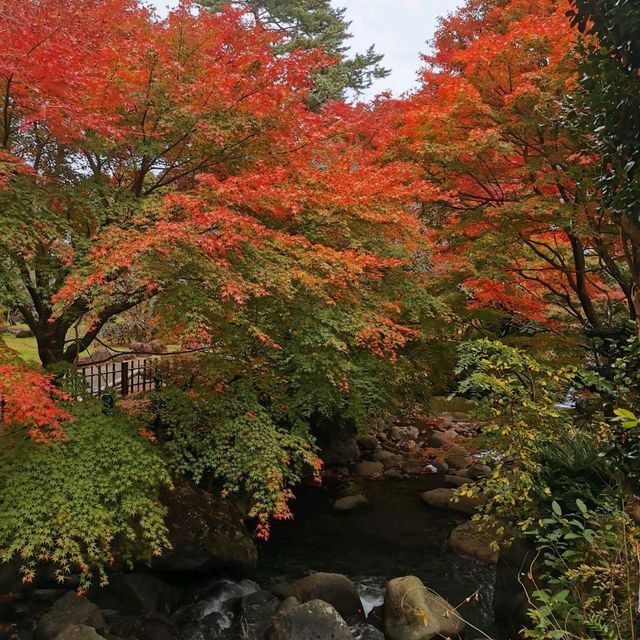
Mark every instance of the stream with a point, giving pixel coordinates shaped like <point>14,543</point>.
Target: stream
<point>398,535</point>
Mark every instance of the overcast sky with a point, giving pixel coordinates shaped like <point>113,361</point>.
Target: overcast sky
<point>398,28</point>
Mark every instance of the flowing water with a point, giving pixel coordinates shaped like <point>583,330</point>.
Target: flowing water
<point>398,535</point>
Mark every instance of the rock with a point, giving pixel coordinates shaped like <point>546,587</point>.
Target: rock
<point>369,469</point>
<point>478,471</point>
<point>402,434</point>
<point>333,588</point>
<point>71,609</point>
<point>368,632</point>
<point>256,611</point>
<point>79,632</point>
<point>467,538</point>
<point>369,442</point>
<point>139,593</point>
<point>451,435</point>
<point>461,473</point>
<point>314,620</point>
<point>383,456</point>
<point>207,534</point>
<point>393,474</point>
<point>414,466</point>
<point>459,460</point>
<point>412,612</point>
<point>456,481</point>
<point>155,626</point>
<point>444,499</point>
<point>437,440</point>
<point>287,604</point>
<point>440,465</point>
<point>341,453</point>
<point>350,503</point>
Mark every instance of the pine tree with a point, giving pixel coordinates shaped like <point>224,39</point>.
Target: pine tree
<point>311,24</point>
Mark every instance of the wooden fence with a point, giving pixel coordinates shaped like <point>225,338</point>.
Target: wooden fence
<point>125,378</point>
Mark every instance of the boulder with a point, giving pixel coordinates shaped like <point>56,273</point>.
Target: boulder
<point>333,588</point>
<point>382,456</point>
<point>314,620</point>
<point>207,534</point>
<point>478,471</point>
<point>445,499</point>
<point>71,609</point>
<point>369,469</point>
<point>350,503</point>
<point>440,466</point>
<point>401,434</point>
<point>138,593</point>
<point>412,612</point>
<point>458,459</point>
<point>256,611</point>
<point>413,466</point>
<point>341,453</point>
<point>467,538</point>
<point>78,632</point>
<point>368,442</point>
<point>437,439</point>
<point>393,474</point>
<point>290,602</point>
<point>456,481</point>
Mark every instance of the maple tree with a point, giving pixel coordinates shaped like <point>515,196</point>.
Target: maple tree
<point>516,195</point>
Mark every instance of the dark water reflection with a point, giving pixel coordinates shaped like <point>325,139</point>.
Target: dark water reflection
<point>399,535</point>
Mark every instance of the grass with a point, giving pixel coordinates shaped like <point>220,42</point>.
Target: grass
<point>26,348</point>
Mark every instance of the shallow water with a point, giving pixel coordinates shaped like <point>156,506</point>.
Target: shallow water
<point>399,535</point>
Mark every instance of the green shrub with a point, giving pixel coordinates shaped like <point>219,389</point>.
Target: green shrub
<point>84,502</point>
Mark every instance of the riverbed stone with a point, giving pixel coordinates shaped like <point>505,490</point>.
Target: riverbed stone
<point>412,612</point>
<point>78,632</point>
<point>341,453</point>
<point>313,620</point>
<point>478,471</point>
<point>334,588</point>
<point>413,466</point>
<point>368,442</point>
<point>290,602</point>
<point>382,456</point>
<point>402,434</point>
<point>369,469</point>
<point>440,466</point>
<point>368,632</point>
<point>456,481</point>
<point>437,440</point>
<point>444,499</point>
<point>71,609</point>
<point>256,611</point>
<point>350,503</point>
<point>393,474</point>
<point>469,539</point>
<point>207,534</point>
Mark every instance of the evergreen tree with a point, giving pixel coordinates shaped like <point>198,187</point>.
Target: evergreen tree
<point>311,24</point>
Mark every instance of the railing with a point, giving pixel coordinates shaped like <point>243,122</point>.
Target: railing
<point>127,377</point>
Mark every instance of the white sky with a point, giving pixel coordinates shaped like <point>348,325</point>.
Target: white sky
<point>399,29</point>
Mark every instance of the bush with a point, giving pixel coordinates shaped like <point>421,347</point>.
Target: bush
<point>230,436</point>
<point>85,502</point>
